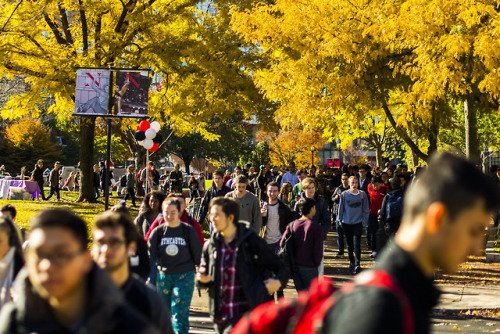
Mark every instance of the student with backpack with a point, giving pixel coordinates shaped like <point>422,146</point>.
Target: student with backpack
<point>391,213</point>
<point>237,267</point>
<point>353,213</point>
<point>174,252</point>
<point>307,244</point>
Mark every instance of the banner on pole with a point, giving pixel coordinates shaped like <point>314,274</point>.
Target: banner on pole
<point>91,95</point>
<point>131,93</point>
<point>130,98</point>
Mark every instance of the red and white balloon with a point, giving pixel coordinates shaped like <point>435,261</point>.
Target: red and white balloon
<point>147,135</point>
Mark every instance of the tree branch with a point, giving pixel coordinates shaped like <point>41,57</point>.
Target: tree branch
<point>402,134</point>
<point>65,25</point>
<point>8,65</point>
<point>83,18</point>
<point>123,15</point>
<point>54,29</point>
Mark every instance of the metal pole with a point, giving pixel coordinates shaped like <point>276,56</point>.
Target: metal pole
<point>107,167</point>
<point>147,171</point>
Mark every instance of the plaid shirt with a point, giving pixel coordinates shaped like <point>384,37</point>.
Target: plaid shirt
<point>232,301</point>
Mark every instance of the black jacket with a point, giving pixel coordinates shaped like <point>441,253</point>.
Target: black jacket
<point>285,214</point>
<point>212,192</point>
<point>254,261</point>
<point>107,310</point>
<point>372,310</point>
<point>37,175</point>
<point>147,302</point>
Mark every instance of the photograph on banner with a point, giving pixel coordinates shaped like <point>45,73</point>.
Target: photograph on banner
<point>131,93</point>
<point>91,94</point>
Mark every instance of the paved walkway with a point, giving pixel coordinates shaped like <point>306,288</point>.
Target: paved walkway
<point>455,298</point>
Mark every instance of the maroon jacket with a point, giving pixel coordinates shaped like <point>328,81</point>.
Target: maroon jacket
<point>307,241</point>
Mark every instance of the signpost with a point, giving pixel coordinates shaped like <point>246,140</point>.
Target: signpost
<point>98,95</point>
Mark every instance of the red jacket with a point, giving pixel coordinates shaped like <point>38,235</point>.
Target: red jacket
<point>376,197</point>
<point>184,218</point>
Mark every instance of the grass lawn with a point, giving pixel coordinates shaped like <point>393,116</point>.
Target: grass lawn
<point>26,210</point>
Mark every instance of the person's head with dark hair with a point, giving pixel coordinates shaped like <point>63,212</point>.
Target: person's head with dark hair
<point>9,237</point>
<point>493,169</point>
<point>57,253</point>
<point>117,219</point>
<point>241,184</point>
<point>9,211</point>
<point>377,182</point>
<point>115,237</point>
<point>224,215</point>
<point>302,174</point>
<point>180,198</point>
<point>446,211</point>
<point>218,179</point>
<point>395,182</point>
<point>172,211</point>
<point>306,207</point>
<point>153,201</point>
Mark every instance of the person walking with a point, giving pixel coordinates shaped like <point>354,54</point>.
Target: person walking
<point>37,176</point>
<point>353,213</point>
<point>11,258</point>
<point>218,189</point>
<point>54,178</point>
<point>152,203</point>
<point>176,180</point>
<point>249,204</point>
<point>236,284</point>
<point>174,251</point>
<point>114,238</point>
<point>307,244</point>
<point>193,186</point>
<point>335,209</point>
<point>131,182</point>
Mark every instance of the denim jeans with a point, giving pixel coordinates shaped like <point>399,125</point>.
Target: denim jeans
<point>353,238</point>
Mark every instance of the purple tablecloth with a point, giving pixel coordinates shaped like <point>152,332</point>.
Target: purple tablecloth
<point>30,186</point>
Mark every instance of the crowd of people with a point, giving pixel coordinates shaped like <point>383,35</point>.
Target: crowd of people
<point>140,274</point>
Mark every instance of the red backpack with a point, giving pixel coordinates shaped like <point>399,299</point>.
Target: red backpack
<point>305,314</point>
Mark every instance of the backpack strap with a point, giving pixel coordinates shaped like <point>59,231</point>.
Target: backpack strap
<point>185,234</point>
<point>381,279</point>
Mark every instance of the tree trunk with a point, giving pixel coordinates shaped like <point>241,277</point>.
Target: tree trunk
<point>378,150</point>
<point>187,163</point>
<point>433,132</point>
<point>471,140</point>
<point>87,126</point>
<point>402,133</point>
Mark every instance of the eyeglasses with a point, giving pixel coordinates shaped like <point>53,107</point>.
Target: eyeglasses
<point>58,259</point>
<point>111,243</point>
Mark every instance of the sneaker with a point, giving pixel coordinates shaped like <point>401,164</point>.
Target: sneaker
<point>357,270</point>
<point>373,254</point>
<point>351,269</point>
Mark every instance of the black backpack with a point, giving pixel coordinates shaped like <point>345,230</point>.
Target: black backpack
<point>123,181</point>
<point>286,252</point>
<point>394,207</point>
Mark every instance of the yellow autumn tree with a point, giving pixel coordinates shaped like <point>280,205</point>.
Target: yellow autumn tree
<point>194,54</point>
<point>28,140</point>
<point>293,145</point>
<point>411,60</point>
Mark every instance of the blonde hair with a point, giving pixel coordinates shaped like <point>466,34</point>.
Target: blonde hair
<point>307,181</point>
